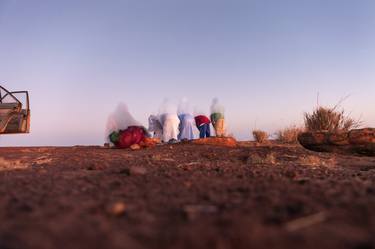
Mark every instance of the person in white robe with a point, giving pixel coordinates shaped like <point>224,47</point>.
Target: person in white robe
<point>169,121</point>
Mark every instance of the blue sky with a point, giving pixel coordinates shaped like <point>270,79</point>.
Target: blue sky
<point>266,60</point>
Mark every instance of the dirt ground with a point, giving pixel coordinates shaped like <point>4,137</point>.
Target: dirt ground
<point>185,196</point>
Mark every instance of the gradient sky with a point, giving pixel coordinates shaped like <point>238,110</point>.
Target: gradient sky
<point>266,60</point>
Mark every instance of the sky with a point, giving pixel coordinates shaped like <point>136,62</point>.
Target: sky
<point>266,60</point>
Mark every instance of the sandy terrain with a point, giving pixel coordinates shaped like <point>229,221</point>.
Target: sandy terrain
<point>185,196</point>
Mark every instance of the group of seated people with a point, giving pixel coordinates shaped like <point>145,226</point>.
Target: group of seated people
<point>172,126</point>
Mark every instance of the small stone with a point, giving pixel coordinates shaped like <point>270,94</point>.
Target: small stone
<point>117,209</point>
<point>137,170</point>
<point>135,147</point>
<point>149,142</point>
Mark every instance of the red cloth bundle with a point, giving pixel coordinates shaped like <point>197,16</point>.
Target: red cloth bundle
<point>132,135</point>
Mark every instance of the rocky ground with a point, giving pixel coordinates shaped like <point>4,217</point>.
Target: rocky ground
<point>185,196</point>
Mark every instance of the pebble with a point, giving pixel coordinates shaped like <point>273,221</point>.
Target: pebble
<point>137,170</point>
<point>135,147</point>
<point>117,209</point>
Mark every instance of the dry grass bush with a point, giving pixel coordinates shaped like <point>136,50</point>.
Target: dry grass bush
<point>289,135</point>
<point>329,119</point>
<point>260,136</point>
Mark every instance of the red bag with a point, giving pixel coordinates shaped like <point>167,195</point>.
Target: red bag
<point>132,135</point>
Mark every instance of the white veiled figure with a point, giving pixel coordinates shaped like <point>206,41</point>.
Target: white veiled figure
<point>169,120</point>
<point>120,119</point>
<point>187,122</point>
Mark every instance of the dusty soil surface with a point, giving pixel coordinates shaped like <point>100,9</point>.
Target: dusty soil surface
<point>185,196</point>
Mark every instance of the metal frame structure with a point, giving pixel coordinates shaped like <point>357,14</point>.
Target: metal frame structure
<point>25,109</point>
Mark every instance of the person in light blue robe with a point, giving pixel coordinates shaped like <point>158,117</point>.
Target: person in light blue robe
<point>187,122</point>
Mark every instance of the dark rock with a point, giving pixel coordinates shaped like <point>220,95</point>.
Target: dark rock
<point>359,141</point>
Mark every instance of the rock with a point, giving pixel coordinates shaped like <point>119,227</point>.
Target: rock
<point>117,209</point>
<point>137,170</point>
<point>220,141</point>
<point>359,141</point>
<point>313,138</point>
<point>362,136</point>
<point>135,147</point>
<point>340,138</point>
<point>149,142</point>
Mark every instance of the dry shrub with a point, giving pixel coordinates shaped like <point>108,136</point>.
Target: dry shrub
<point>289,135</point>
<point>329,119</point>
<point>260,136</point>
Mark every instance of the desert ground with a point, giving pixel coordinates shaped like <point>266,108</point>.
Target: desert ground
<point>185,196</point>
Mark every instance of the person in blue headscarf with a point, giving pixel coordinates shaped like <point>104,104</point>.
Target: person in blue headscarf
<point>187,122</point>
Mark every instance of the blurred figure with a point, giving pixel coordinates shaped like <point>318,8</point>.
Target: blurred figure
<point>123,130</point>
<point>187,121</point>
<point>217,118</point>
<point>118,120</point>
<point>155,127</point>
<point>203,125</point>
<point>169,121</point>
